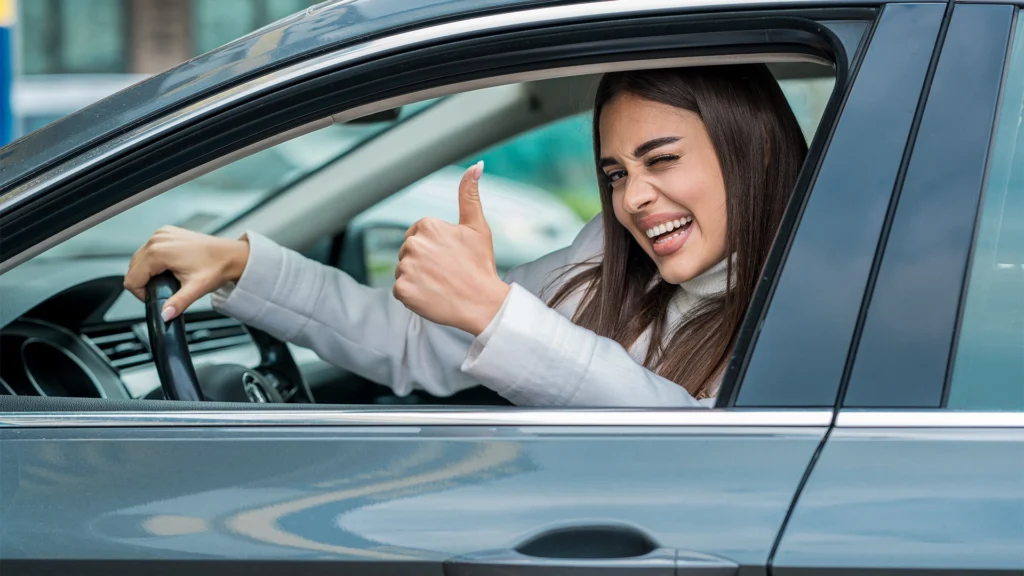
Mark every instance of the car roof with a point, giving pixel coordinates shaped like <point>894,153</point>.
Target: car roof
<point>324,26</point>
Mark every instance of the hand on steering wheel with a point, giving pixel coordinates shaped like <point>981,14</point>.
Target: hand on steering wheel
<point>169,344</point>
<point>223,382</point>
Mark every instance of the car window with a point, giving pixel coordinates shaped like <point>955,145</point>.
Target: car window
<point>538,191</point>
<point>988,369</point>
<point>209,202</point>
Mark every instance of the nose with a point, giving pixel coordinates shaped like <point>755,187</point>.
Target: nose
<point>638,195</point>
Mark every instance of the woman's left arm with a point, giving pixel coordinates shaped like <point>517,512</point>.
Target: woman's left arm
<point>534,356</point>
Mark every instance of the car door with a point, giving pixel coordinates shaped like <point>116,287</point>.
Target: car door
<point>119,487</point>
<point>924,472</point>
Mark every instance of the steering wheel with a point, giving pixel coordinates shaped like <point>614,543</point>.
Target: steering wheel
<point>276,379</point>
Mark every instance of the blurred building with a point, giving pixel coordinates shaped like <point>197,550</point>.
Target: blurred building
<point>70,53</point>
<point>6,70</point>
<point>134,36</point>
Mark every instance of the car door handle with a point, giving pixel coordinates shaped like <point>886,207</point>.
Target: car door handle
<point>581,551</point>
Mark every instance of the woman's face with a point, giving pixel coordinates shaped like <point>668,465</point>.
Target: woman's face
<point>667,185</point>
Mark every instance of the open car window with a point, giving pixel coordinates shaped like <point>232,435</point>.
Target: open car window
<point>539,189</point>
<point>210,201</point>
<point>321,193</point>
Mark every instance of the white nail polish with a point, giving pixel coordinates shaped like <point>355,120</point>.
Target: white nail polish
<point>167,313</point>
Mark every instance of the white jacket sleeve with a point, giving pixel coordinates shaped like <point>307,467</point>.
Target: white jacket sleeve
<point>535,356</point>
<point>361,329</point>
<point>531,354</point>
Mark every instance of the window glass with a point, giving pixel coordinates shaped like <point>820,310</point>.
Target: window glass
<point>988,370</point>
<point>208,202</point>
<point>808,98</point>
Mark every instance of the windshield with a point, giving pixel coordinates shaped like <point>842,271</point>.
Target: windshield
<point>208,202</point>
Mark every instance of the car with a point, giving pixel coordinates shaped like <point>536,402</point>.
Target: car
<point>870,421</point>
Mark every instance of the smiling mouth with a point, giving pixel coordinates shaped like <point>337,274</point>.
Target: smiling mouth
<point>669,230</point>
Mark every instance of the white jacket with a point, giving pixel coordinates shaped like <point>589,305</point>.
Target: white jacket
<point>530,354</point>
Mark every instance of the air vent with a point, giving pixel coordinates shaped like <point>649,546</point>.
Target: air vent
<point>128,346</point>
<point>215,334</point>
<point>121,345</point>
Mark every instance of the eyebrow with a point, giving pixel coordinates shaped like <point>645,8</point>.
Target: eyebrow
<point>642,149</point>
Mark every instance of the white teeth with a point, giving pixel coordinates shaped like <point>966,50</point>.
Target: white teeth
<point>668,226</point>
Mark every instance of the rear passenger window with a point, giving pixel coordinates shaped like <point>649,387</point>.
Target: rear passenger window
<point>988,370</point>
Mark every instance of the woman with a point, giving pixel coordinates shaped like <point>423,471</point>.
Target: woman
<point>695,164</point>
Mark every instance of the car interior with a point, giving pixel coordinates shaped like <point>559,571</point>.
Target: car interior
<point>340,190</point>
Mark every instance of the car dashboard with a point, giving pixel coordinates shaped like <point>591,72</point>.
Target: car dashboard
<point>69,329</point>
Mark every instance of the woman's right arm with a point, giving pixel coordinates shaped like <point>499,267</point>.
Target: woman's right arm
<point>363,330</point>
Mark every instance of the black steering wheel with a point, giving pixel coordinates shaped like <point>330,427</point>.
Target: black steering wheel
<point>276,379</point>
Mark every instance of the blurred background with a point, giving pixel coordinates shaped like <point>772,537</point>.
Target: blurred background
<point>68,53</point>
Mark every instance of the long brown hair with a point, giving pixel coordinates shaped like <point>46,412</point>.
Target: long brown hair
<point>760,149</point>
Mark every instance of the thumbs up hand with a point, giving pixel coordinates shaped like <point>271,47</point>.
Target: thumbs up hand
<point>446,272</point>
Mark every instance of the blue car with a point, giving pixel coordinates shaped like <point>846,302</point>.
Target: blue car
<point>870,421</point>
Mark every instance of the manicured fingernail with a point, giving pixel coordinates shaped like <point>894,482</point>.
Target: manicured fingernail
<point>478,170</point>
<point>168,313</point>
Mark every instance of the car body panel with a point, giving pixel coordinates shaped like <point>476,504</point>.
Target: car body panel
<point>923,491</point>
<point>389,494</point>
<point>938,500</point>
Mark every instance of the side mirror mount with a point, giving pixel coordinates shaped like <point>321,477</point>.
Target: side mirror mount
<point>370,254</point>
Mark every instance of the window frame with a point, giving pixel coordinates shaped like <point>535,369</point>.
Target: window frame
<point>886,375</point>
<point>877,115</point>
<point>201,138</point>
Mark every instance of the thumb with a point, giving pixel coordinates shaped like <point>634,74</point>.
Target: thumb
<point>471,211</point>
<point>182,299</point>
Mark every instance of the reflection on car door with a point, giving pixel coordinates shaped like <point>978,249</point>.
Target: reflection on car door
<point>406,498</point>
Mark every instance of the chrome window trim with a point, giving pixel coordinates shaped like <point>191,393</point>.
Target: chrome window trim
<point>447,31</point>
<point>697,417</point>
<point>928,419</point>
